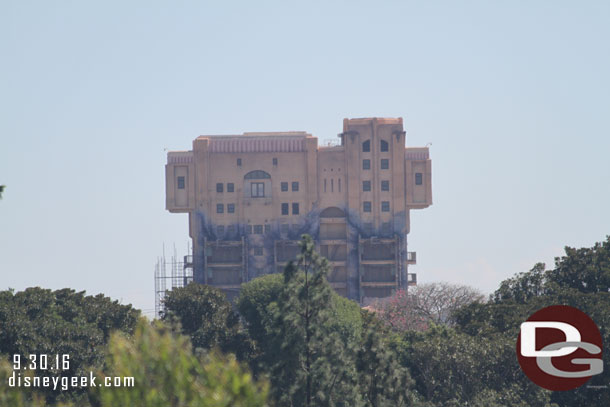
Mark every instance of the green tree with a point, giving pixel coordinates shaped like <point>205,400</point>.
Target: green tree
<point>206,316</point>
<point>2,190</point>
<point>40,321</point>
<point>312,365</point>
<point>166,373</point>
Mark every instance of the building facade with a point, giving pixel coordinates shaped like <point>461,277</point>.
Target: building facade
<point>250,197</point>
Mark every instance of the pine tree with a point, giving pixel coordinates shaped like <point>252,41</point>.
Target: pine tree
<point>312,365</point>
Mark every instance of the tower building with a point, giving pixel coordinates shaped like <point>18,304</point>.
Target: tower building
<point>250,197</point>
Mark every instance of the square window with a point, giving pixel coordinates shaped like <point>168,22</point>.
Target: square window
<point>284,186</point>
<point>295,186</point>
<point>285,209</point>
<point>230,208</point>
<point>366,206</point>
<point>284,227</point>
<point>257,189</point>
<point>385,206</point>
<point>295,208</point>
<point>220,229</point>
<point>274,161</point>
<point>385,185</point>
<point>258,251</point>
<point>220,208</point>
<point>239,162</point>
<point>230,187</point>
<point>419,178</point>
<point>258,229</point>
<point>181,182</point>
<point>219,187</point>
<point>366,164</point>
<point>366,185</point>
<point>267,228</point>
<point>385,163</point>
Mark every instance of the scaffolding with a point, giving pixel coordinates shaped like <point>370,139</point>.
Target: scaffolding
<point>177,272</point>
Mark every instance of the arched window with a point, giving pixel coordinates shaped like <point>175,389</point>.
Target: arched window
<point>332,212</point>
<point>366,146</point>
<point>384,146</point>
<point>258,174</point>
<point>256,183</point>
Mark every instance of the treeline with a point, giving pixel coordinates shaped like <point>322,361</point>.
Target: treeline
<point>289,340</point>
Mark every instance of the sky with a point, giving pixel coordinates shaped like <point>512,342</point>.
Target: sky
<point>513,95</point>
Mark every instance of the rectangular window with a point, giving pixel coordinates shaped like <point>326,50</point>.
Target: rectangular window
<point>230,187</point>
<point>385,206</point>
<point>386,228</point>
<point>219,187</point>
<point>385,163</point>
<point>267,228</point>
<point>339,182</point>
<point>285,209</point>
<point>284,186</point>
<point>230,208</point>
<point>366,206</point>
<point>231,229</point>
<point>181,183</point>
<point>419,178</point>
<point>274,161</point>
<point>295,208</point>
<point>220,229</point>
<point>324,184</point>
<point>220,208</point>
<point>368,228</point>
<point>295,186</point>
<point>366,185</point>
<point>257,189</point>
<point>258,229</point>
<point>366,164</point>
<point>332,185</point>
<point>249,229</point>
<point>385,185</point>
<point>385,147</point>
<point>239,162</point>
<point>258,251</point>
<point>284,227</point>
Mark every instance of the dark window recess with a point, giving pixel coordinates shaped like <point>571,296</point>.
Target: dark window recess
<point>339,182</point>
<point>231,229</point>
<point>239,162</point>
<point>181,183</point>
<point>274,161</point>
<point>385,163</point>
<point>230,187</point>
<point>295,186</point>
<point>219,187</point>
<point>249,229</point>
<point>366,185</point>
<point>295,208</point>
<point>384,146</point>
<point>258,251</point>
<point>284,186</point>
<point>385,185</point>
<point>230,208</point>
<point>258,229</point>
<point>368,227</point>
<point>385,206</point>
<point>267,228</point>
<point>220,208</point>
<point>257,189</point>
<point>284,228</point>
<point>366,206</point>
<point>386,228</point>
<point>366,146</point>
<point>324,184</point>
<point>220,229</point>
<point>285,209</point>
<point>366,164</point>
<point>419,178</point>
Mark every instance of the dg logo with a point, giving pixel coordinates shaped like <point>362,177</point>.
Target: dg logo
<point>560,348</point>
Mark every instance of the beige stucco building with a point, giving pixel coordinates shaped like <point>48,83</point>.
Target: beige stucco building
<point>249,198</point>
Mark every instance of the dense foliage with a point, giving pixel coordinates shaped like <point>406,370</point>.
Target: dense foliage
<point>313,347</point>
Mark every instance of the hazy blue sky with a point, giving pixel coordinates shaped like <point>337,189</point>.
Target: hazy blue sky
<point>513,95</point>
